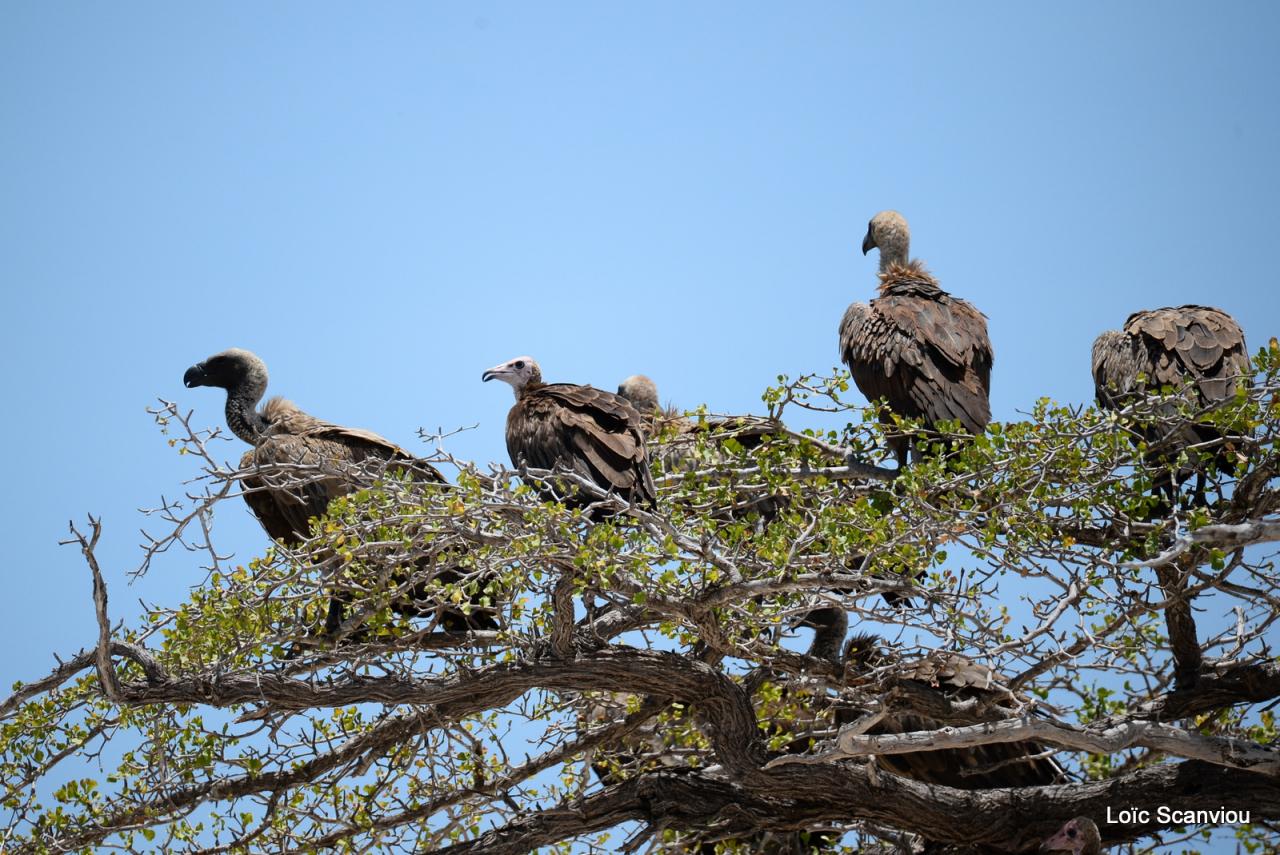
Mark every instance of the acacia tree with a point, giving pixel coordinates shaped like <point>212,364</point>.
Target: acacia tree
<point>648,686</point>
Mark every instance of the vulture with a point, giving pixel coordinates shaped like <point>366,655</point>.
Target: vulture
<point>1196,348</point>
<point>1079,836</point>
<point>589,432</point>
<point>642,392</point>
<point>281,435</point>
<point>958,691</point>
<point>921,350</point>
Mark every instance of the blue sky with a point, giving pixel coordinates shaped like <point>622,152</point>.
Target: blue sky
<point>384,201</point>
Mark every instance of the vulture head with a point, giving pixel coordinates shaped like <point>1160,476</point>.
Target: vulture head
<point>641,392</point>
<point>519,372</point>
<point>1079,837</point>
<point>234,370</point>
<point>888,232</point>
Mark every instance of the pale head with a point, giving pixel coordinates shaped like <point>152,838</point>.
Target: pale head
<point>1078,836</point>
<point>518,372</point>
<point>234,369</point>
<point>641,392</point>
<point>889,233</point>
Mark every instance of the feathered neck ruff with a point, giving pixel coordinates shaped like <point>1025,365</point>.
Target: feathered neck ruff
<point>912,273</point>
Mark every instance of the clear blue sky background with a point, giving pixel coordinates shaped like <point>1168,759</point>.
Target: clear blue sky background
<point>383,201</point>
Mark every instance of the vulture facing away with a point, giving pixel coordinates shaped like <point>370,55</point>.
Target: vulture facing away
<point>1196,348</point>
<point>594,434</point>
<point>642,392</point>
<point>923,351</point>
<point>282,435</point>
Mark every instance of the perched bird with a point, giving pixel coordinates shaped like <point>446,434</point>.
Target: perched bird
<point>594,434</point>
<point>283,436</point>
<point>1198,349</point>
<point>961,692</point>
<point>1079,836</point>
<point>923,351</point>
<point>642,392</point>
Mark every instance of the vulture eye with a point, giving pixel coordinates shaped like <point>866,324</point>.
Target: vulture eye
<point>1071,832</point>
<point>519,363</point>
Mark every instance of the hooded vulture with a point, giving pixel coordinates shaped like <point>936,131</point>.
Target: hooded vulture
<point>591,433</point>
<point>1199,349</point>
<point>1078,836</point>
<point>921,350</point>
<point>283,436</point>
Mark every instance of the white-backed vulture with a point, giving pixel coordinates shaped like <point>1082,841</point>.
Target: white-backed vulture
<point>284,436</point>
<point>1079,836</point>
<point>1199,349</point>
<point>921,350</point>
<point>589,432</point>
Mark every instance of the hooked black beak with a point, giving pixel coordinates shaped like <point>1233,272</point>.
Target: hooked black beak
<point>194,376</point>
<point>488,375</point>
<point>868,242</point>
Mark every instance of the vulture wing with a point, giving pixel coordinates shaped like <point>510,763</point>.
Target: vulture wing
<point>1187,343</point>
<point>947,683</point>
<point>593,433</point>
<point>925,352</point>
<point>284,504</point>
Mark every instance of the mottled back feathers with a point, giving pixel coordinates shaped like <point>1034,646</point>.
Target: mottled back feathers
<point>588,431</point>
<point>1170,347</point>
<point>327,451</point>
<point>925,352</point>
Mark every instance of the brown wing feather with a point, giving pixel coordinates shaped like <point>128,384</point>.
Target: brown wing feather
<point>283,502</point>
<point>1191,343</point>
<point>958,679</point>
<point>593,433</point>
<point>263,503</point>
<point>923,351</point>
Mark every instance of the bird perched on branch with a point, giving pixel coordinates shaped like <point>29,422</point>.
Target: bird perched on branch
<point>1198,350</point>
<point>591,433</point>
<point>921,350</point>
<point>299,464</point>
<point>939,690</point>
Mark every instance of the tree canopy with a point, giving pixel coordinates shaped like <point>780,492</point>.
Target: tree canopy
<point>651,683</point>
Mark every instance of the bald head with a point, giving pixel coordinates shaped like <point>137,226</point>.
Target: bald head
<point>519,373</point>
<point>641,392</point>
<point>1079,836</point>
<point>888,232</point>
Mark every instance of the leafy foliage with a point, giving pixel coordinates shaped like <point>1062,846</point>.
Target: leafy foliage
<point>1034,549</point>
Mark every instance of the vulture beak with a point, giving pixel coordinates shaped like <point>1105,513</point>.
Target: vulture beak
<point>194,376</point>
<point>1058,843</point>
<point>868,242</point>
<point>489,375</point>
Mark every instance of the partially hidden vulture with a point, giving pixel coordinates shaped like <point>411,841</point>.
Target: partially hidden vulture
<point>938,690</point>
<point>284,436</point>
<point>642,393</point>
<point>921,350</point>
<point>1197,349</point>
<point>1079,836</point>
<point>589,432</point>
